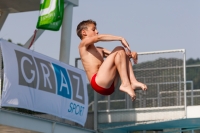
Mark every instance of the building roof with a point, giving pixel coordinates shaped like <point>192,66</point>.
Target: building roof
<point>19,5</point>
<point>15,6</point>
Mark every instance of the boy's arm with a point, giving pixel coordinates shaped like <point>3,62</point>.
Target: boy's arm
<point>132,55</point>
<point>104,51</point>
<point>104,37</point>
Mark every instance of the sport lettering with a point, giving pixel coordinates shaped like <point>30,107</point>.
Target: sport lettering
<point>76,109</point>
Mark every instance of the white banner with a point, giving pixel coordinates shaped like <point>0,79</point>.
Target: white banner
<point>40,83</point>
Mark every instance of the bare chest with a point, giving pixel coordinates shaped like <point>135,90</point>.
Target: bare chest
<point>91,58</point>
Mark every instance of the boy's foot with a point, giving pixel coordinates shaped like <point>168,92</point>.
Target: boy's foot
<point>129,91</point>
<point>139,85</point>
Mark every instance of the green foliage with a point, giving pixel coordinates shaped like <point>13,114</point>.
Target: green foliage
<point>193,73</point>
<point>9,40</point>
<point>193,61</point>
<point>19,44</point>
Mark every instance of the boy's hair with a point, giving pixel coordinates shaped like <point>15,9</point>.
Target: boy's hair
<point>83,25</point>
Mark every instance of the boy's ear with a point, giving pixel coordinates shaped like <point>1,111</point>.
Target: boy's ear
<point>84,33</point>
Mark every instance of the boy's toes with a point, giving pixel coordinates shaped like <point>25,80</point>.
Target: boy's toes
<point>133,98</point>
<point>144,88</point>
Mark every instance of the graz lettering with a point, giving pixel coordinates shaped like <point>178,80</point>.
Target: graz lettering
<point>41,74</point>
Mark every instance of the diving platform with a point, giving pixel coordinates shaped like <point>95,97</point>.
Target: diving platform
<point>153,119</point>
<point>12,121</point>
<point>139,115</point>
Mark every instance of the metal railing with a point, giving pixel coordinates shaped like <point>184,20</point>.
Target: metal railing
<point>166,81</point>
<point>157,101</point>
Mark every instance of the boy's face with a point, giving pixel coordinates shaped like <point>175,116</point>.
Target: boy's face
<point>91,30</point>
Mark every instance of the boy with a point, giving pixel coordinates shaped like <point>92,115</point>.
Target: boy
<point>103,74</point>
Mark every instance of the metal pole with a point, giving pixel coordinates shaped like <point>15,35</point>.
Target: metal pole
<point>145,100</point>
<point>108,103</point>
<point>127,101</point>
<point>192,92</point>
<point>179,89</point>
<point>184,75</point>
<point>95,111</point>
<point>180,130</point>
<point>1,74</point>
<point>3,16</point>
<point>158,90</point>
<point>53,127</point>
<point>66,34</point>
<point>76,62</point>
<point>140,99</point>
<point>164,51</point>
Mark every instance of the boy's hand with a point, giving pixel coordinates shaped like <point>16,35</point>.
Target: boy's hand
<point>135,57</point>
<point>132,55</point>
<point>125,44</point>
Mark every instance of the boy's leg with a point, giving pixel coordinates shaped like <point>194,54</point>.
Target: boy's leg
<point>134,83</point>
<point>115,62</point>
<point>116,80</point>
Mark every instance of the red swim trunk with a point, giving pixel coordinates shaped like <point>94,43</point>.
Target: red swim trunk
<point>101,90</point>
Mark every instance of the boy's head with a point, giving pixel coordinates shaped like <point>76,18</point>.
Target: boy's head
<point>84,26</point>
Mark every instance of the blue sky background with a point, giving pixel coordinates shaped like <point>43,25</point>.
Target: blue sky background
<point>148,25</point>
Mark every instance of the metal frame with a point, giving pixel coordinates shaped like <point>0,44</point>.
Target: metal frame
<point>184,68</point>
<point>160,52</point>
<point>146,53</point>
<point>184,74</point>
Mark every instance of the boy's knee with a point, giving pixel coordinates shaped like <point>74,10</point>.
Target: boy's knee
<point>120,48</point>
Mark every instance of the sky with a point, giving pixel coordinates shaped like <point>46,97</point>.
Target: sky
<point>147,25</point>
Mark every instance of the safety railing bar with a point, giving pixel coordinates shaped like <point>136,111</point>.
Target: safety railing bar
<point>160,52</point>
<point>105,101</point>
<point>157,68</point>
<point>159,76</point>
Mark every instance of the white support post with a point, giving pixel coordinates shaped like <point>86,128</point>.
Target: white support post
<point>184,74</point>
<point>192,93</point>
<point>159,98</point>
<point>53,127</point>
<point>127,101</point>
<point>180,90</point>
<point>3,16</point>
<point>66,34</point>
<point>95,111</point>
<point>108,103</point>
